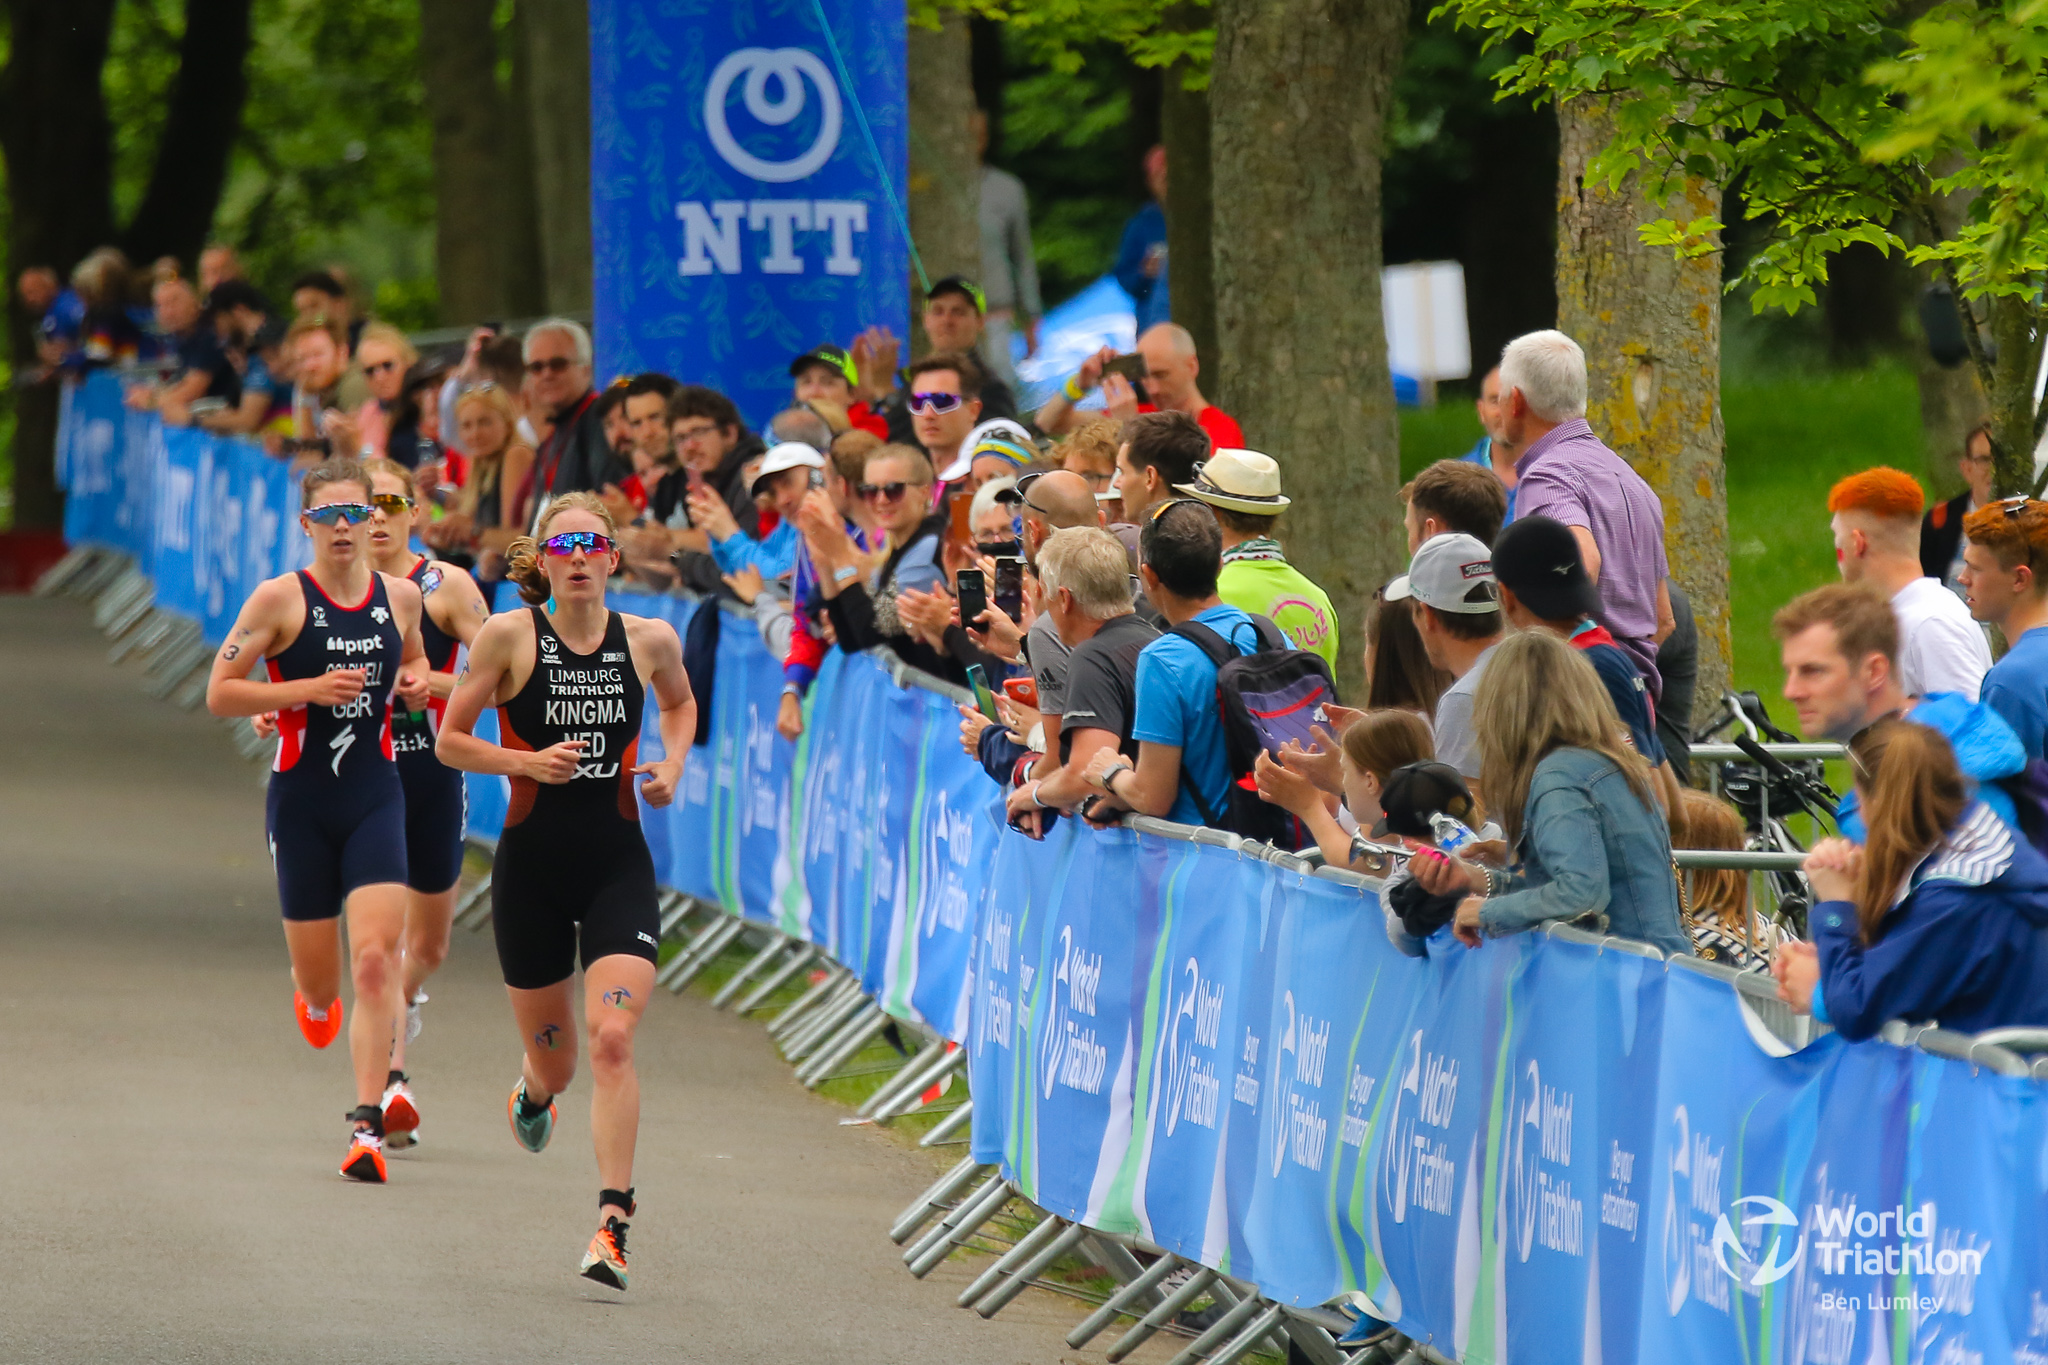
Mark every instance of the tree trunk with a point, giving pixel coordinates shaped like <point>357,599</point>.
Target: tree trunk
<point>199,132</point>
<point>1298,100</point>
<point>2015,327</point>
<point>945,175</point>
<point>1651,329</point>
<point>1190,249</point>
<point>558,46</point>
<point>458,66</point>
<point>59,150</point>
<point>524,280</point>
<point>1951,402</point>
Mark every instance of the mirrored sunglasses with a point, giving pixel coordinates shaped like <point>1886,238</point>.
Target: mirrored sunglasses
<point>349,513</point>
<point>569,542</point>
<point>391,504</point>
<point>936,404</point>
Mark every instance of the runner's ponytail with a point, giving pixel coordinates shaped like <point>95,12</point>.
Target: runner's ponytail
<point>522,556</point>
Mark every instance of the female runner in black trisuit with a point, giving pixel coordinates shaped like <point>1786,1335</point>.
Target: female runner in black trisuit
<point>435,804</point>
<point>572,865</point>
<point>336,811</point>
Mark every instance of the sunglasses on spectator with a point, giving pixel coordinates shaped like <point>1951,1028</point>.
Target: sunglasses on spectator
<point>348,513</point>
<point>380,367</point>
<point>569,542</point>
<point>936,404</point>
<point>391,504</point>
<point>554,364</point>
<point>884,492</point>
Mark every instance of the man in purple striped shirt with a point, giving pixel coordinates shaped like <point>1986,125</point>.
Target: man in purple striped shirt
<point>1565,472</point>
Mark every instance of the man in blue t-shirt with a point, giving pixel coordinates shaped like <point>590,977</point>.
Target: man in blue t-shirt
<point>1544,586</point>
<point>2004,558</point>
<point>1178,727</point>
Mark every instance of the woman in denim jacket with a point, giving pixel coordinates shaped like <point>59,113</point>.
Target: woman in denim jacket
<point>1587,835</point>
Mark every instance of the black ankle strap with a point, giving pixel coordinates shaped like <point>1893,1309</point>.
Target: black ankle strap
<point>618,1198</point>
<point>370,1114</point>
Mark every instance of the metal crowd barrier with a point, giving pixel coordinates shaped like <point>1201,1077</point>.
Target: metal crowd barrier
<point>829,1023</point>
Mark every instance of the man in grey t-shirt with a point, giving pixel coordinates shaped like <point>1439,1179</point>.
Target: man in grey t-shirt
<point>1458,616</point>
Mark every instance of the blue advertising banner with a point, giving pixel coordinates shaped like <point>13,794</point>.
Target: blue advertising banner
<point>748,158</point>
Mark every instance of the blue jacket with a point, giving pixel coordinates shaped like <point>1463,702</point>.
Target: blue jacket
<point>1966,946</point>
<point>1590,845</point>
<point>775,556</point>
<point>1986,748</point>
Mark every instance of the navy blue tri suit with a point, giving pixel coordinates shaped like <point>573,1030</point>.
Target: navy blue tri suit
<point>335,809</point>
<point>436,801</point>
<point>572,867</point>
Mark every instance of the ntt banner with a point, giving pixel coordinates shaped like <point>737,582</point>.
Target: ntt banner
<point>747,163</point>
<point>1547,1150</point>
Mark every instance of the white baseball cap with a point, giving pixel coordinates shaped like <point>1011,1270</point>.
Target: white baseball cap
<point>1451,572</point>
<point>787,455</point>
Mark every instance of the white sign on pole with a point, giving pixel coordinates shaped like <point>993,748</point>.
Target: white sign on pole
<point>1424,307</point>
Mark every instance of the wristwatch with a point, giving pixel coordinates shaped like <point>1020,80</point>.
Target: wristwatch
<point>790,689</point>
<point>1108,779</point>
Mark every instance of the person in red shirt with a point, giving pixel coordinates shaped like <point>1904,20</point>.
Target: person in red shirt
<point>1171,370</point>
<point>826,374</point>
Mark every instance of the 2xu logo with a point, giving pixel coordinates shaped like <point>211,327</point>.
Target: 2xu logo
<point>788,68</point>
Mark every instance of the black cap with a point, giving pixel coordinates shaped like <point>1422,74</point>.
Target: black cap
<point>959,284</point>
<point>1538,560</point>
<point>833,357</point>
<point>1417,791</point>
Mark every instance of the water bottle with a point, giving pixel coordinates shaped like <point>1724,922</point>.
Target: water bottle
<point>1451,833</point>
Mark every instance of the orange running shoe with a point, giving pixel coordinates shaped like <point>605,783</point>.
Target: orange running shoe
<point>319,1032</point>
<point>365,1159</point>
<point>605,1262</point>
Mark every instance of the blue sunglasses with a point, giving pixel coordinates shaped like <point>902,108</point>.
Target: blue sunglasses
<point>327,513</point>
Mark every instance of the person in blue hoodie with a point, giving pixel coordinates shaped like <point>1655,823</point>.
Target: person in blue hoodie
<point>1941,916</point>
<point>1840,646</point>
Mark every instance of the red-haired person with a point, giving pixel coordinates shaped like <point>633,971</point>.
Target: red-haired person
<point>2004,562</point>
<point>1877,541</point>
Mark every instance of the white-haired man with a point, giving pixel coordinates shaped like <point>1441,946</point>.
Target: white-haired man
<point>1171,369</point>
<point>576,457</point>
<point>1565,472</point>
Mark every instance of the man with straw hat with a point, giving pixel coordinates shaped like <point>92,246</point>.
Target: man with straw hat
<point>1242,487</point>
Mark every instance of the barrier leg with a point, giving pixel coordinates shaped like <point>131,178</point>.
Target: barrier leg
<point>684,966</point>
<point>1138,1294</point>
<point>1164,1312</point>
<point>828,1021</point>
<point>805,955</point>
<point>119,598</point>
<point>475,911</point>
<point>1025,1251</point>
<point>1243,1327</point>
<point>61,574</point>
<point>942,1192</point>
<point>961,1224</point>
<point>675,908</point>
<point>916,1076</point>
<point>947,1126</point>
<point>144,638</point>
<point>772,950</point>
<point>997,1298</point>
<point>821,990</point>
<point>850,1039</point>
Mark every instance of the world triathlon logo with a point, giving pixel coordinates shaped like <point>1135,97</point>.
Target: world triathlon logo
<point>772,87</point>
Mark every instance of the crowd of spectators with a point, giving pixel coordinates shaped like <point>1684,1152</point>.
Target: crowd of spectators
<point>1109,577</point>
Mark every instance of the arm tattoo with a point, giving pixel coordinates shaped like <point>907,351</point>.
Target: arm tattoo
<point>232,652</point>
<point>480,609</point>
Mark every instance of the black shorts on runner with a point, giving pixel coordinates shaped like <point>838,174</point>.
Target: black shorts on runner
<point>325,848</point>
<point>436,808</point>
<point>552,902</point>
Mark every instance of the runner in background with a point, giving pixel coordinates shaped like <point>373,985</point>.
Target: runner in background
<point>336,817</point>
<point>569,679</point>
<point>435,798</point>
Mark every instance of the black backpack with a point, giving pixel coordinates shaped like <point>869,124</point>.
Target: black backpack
<point>1264,699</point>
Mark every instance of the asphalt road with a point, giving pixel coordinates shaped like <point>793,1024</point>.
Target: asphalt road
<point>168,1142</point>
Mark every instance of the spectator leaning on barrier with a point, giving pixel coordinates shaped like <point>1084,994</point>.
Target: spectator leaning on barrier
<point>1544,586</point>
<point>788,473</point>
<point>1940,917</point>
<point>1565,472</point>
<point>1492,451</point>
<point>1941,530</point>
<point>575,457</point>
<point>1243,488</point>
<point>191,355</point>
<point>1452,496</point>
<point>1370,750</point>
<point>1457,614</point>
<point>242,327</point>
<point>837,507</point>
<point>1876,519</point>
<point>1840,648</point>
<point>1585,835</point>
<point>1183,766</point>
<point>2005,574</point>
<point>1088,599</point>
